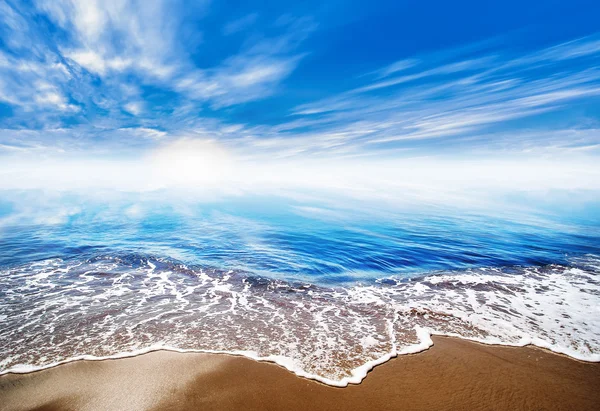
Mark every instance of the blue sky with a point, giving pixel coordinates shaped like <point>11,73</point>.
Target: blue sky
<point>289,83</point>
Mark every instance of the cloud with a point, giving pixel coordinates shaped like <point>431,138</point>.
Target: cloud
<point>461,66</point>
<point>117,35</point>
<point>135,107</point>
<point>104,48</point>
<point>35,85</point>
<point>252,74</point>
<point>96,63</point>
<point>120,77</point>
<point>240,79</point>
<point>450,100</point>
<point>145,132</point>
<point>393,68</point>
<point>49,95</point>
<point>240,24</point>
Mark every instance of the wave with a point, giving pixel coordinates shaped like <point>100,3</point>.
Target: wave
<point>110,306</point>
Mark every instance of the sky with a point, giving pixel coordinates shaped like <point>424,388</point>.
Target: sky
<point>364,97</point>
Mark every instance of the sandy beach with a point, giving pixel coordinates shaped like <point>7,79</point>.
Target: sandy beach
<point>453,374</point>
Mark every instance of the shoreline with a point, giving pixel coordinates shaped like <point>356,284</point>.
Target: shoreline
<point>452,374</point>
<point>355,379</point>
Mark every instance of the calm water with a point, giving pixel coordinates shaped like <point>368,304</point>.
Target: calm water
<point>325,290</point>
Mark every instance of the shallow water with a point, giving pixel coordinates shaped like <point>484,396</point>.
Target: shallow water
<point>326,292</point>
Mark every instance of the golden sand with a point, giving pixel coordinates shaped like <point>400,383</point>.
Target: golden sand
<point>452,375</point>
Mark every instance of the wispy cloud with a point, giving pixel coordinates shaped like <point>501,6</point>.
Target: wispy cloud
<point>117,35</point>
<point>253,73</point>
<point>145,132</point>
<point>123,77</point>
<point>114,37</point>
<point>240,79</point>
<point>101,57</point>
<point>455,98</point>
<point>36,85</point>
<point>240,24</point>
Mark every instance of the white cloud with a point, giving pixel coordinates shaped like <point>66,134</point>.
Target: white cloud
<point>89,60</point>
<point>34,85</point>
<point>145,132</point>
<point>444,98</point>
<point>134,107</point>
<point>240,24</point>
<point>400,65</point>
<point>115,35</point>
<point>49,95</point>
<point>449,100</point>
<point>238,80</point>
<point>116,38</point>
<point>457,67</point>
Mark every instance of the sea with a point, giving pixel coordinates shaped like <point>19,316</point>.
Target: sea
<point>326,289</point>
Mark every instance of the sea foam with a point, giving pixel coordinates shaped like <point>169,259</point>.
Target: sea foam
<point>56,311</point>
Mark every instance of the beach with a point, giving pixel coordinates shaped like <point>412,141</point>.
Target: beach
<point>453,374</point>
<point>299,205</point>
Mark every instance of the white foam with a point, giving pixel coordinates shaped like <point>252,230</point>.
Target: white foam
<point>107,308</point>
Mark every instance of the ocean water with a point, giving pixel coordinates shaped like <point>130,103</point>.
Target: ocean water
<point>327,290</point>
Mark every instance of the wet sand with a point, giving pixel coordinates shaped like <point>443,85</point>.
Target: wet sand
<point>452,375</point>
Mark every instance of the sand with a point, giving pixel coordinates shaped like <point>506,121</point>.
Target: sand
<point>452,375</point>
